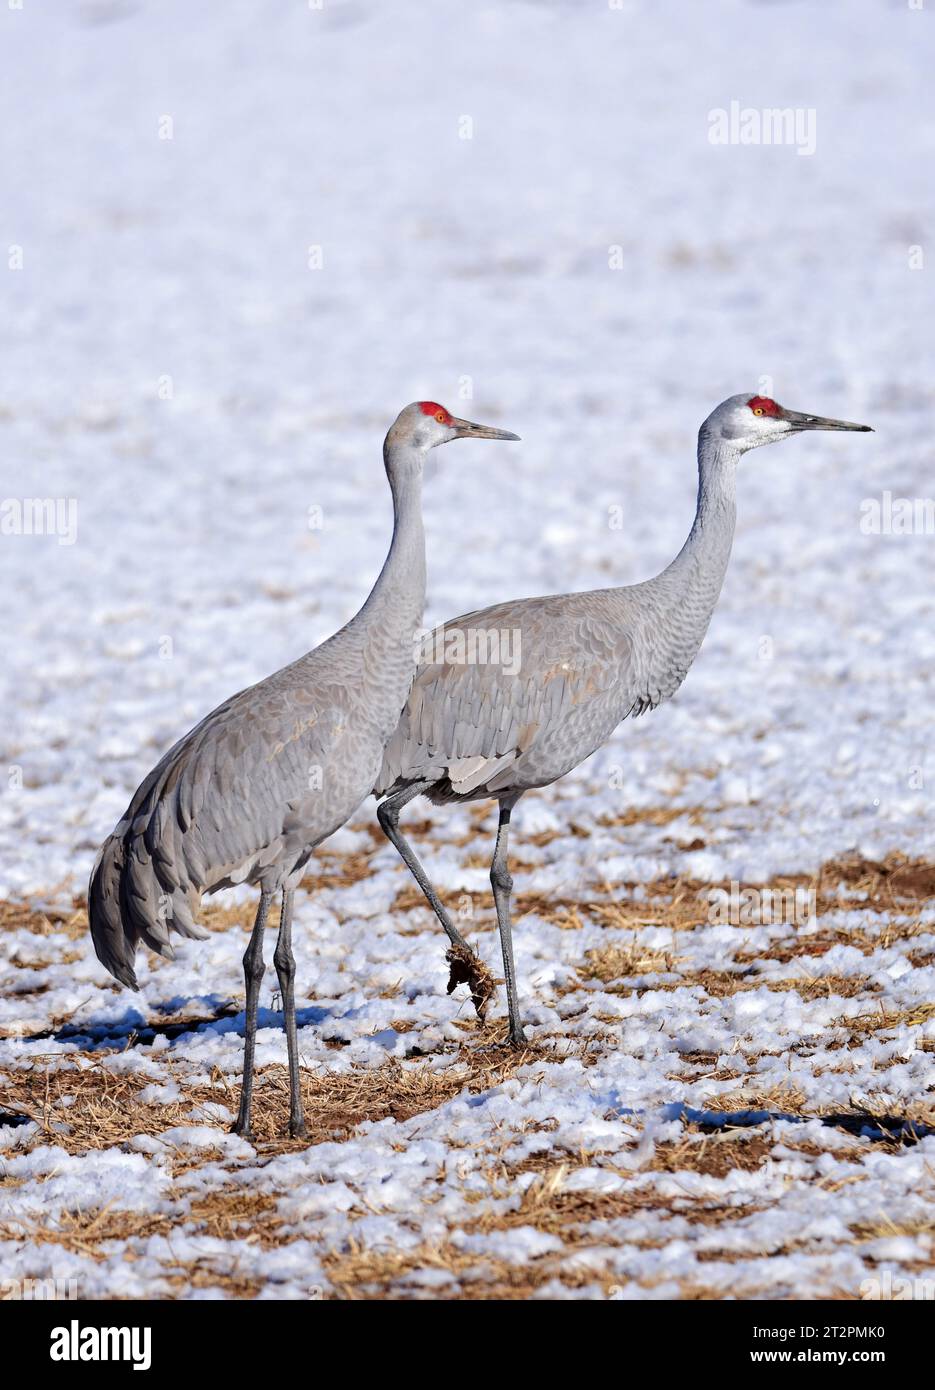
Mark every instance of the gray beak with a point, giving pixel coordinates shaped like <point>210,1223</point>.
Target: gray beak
<point>820,422</point>
<point>466,429</point>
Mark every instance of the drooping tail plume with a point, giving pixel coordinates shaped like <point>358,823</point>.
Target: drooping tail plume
<point>114,944</point>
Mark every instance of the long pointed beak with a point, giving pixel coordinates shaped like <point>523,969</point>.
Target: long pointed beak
<point>820,422</point>
<point>466,429</point>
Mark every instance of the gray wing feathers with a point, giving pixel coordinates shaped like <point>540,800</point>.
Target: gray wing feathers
<point>215,805</point>
<point>470,723</point>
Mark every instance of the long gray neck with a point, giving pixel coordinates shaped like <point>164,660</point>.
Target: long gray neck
<point>679,602</point>
<point>400,588</point>
<point>392,614</point>
<point>697,572</point>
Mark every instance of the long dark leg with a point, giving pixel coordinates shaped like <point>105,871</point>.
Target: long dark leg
<point>253,968</point>
<point>284,961</point>
<point>388,816</point>
<point>466,965</point>
<point>502,884</point>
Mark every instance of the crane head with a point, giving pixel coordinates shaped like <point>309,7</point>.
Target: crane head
<point>425,424</point>
<point>748,421</point>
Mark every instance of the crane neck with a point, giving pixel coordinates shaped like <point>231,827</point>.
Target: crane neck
<point>677,605</point>
<point>397,599</point>
<point>702,561</point>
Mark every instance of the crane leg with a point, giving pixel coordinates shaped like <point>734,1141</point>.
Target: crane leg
<point>388,816</point>
<point>466,966</point>
<point>502,883</point>
<point>284,961</point>
<point>253,968</point>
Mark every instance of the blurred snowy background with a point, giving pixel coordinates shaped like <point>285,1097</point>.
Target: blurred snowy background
<point>234,241</point>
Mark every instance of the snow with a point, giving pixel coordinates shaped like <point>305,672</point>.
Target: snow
<point>174,365</point>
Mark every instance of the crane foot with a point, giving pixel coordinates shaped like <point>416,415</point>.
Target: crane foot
<point>467,968</point>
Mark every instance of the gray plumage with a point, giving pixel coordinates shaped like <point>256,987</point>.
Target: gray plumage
<point>238,800</point>
<point>248,793</point>
<point>474,730</point>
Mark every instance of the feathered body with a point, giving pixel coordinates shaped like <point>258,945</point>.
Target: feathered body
<point>578,664</point>
<point>248,793</point>
<point>583,663</point>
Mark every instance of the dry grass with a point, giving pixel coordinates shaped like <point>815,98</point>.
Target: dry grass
<point>860,938</point>
<point>888,884</point>
<point>235,1283</point>
<point>678,905</point>
<point>231,1213</point>
<point>339,870</point>
<point>386,1273</point>
<point>546,837</point>
<point>226,1213</point>
<point>886,1229</point>
<point>221,917</point>
<point>103,1108</point>
<point>722,984</point>
<point>579,1219</point>
<point>85,1233</point>
<point>614,962</point>
<point>338,1103</point>
<point>612,965</point>
<point>717,1155</point>
<point>883,1020</point>
<point>577,1216</point>
<point>30,962</point>
<point>71,922</point>
<point>892,885</point>
<point>783,1099</point>
<point>654,815</point>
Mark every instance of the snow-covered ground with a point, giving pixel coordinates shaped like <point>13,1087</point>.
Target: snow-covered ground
<point>239,239</point>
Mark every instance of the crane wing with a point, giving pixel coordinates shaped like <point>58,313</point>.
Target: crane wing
<point>469,718</point>
<point>223,795</point>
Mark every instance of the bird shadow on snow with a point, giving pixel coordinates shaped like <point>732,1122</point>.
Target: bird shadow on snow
<point>892,1128</point>
<point>174,1019</point>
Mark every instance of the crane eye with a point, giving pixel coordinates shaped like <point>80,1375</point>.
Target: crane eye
<point>758,410</point>
<point>441,417</point>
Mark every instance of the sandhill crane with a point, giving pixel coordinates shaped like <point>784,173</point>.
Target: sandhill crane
<point>475,728</point>
<point>248,793</point>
